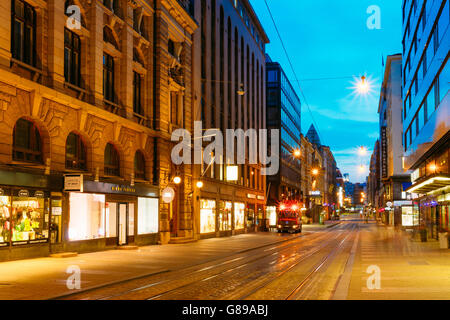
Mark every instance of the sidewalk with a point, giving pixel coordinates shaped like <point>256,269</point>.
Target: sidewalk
<point>410,270</point>
<point>44,278</point>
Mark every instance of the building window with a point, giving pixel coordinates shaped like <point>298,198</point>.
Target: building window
<point>72,53</point>
<point>176,109</point>
<point>137,94</point>
<point>108,78</point>
<point>112,161</point>
<point>27,142</point>
<point>23,32</point>
<point>75,152</point>
<point>108,36</point>
<point>139,166</point>
<point>112,5</point>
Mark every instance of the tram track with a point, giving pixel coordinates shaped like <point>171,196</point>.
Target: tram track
<point>307,255</point>
<point>234,264</point>
<point>308,277</point>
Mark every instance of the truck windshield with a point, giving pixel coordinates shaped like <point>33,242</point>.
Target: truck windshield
<point>288,215</point>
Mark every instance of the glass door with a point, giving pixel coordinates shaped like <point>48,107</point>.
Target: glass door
<point>123,224</point>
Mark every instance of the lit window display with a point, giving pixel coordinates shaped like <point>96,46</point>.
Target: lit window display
<point>87,216</point>
<point>5,231</point>
<point>29,221</point>
<point>207,216</point>
<point>251,221</point>
<point>225,213</point>
<point>239,216</point>
<point>271,213</point>
<point>410,217</point>
<point>148,218</point>
<point>111,219</point>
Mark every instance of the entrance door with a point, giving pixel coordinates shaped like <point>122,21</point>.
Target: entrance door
<point>123,224</point>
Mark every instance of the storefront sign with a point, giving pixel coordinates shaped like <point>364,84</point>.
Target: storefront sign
<point>39,194</point>
<point>73,183</point>
<point>251,196</point>
<point>232,173</point>
<point>24,193</point>
<point>109,188</point>
<point>315,193</point>
<point>168,195</point>
<point>261,198</point>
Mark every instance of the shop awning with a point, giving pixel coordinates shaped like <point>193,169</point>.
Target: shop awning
<point>431,184</point>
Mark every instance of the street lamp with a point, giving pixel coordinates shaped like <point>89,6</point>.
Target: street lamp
<point>200,184</point>
<point>362,151</point>
<point>363,86</point>
<point>297,153</point>
<point>315,172</point>
<point>177,180</point>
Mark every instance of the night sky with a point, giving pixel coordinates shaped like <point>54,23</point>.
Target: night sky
<point>330,39</point>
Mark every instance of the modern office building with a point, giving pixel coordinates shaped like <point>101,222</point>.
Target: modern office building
<point>229,93</point>
<point>284,114</point>
<point>394,180</point>
<point>426,109</point>
<point>85,122</point>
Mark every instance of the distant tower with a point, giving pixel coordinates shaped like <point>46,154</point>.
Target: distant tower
<point>313,136</point>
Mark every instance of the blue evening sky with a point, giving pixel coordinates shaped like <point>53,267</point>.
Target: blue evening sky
<point>327,39</point>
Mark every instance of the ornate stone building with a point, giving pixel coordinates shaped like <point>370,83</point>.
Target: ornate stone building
<point>90,92</point>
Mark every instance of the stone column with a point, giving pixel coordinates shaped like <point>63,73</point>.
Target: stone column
<point>5,33</point>
<point>57,19</point>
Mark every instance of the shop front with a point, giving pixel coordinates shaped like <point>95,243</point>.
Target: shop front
<point>29,214</point>
<point>221,218</point>
<point>104,215</point>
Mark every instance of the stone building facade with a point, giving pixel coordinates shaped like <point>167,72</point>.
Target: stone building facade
<point>229,93</point>
<point>79,98</point>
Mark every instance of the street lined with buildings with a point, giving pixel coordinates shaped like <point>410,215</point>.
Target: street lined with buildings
<point>114,115</point>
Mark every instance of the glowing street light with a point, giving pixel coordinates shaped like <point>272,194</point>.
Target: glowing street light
<point>297,153</point>
<point>177,180</point>
<point>315,172</point>
<point>362,151</point>
<point>200,184</point>
<point>363,86</point>
<point>362,168</point>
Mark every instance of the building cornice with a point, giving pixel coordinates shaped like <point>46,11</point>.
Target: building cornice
<point>179,13</point>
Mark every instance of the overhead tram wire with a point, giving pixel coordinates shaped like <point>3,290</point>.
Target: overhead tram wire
<point>293,70</point>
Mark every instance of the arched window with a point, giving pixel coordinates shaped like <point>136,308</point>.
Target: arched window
<point>139,166</point>
<point>75,153</point>
<point>112,161</point>
<point>27,142</point>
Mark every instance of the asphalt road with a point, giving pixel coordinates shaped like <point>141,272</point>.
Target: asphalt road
<point>313,266</point>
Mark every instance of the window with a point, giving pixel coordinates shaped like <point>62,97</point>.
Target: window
<point>72,53</point>
<point>272,76</point>
<point>109,37</point>
<point>444,81</point>
<point>139,166</point>
<point>108,78</point>
<point>27,142</point>
<point>148,216</point>
<point>137,94</point>
<point>75,152</point>
<point>431,102</point>
<point>176,109</point>
<point>23,32</point>
<point>112,161</point>
<point>87,216</point>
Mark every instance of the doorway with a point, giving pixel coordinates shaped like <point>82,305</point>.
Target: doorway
<point>122,219</point>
